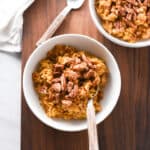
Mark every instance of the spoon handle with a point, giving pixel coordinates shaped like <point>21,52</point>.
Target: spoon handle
<point>54,26</point>
<point>92,130</point>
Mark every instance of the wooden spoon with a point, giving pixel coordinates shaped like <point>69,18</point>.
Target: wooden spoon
<point>92,129</point>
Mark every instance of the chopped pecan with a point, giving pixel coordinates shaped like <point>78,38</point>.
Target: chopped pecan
<point>139,2</point>
<point>89,74</point>
<point>147,3</point>
<point>77,60</point>
<point>42,90</point>
<point>55,80</point>
<point>129,23</point>
<point>57,96</point>
<point>117,24</point>
<point>68,60</point>
<point>84,58</point>
<point>74,92</point>
<point>133,2</point>
<point>58,67</point>
<point>71,75</point>
<point>66,102</point>
<point>122,11</point>
<point>63,82</point>
<point>81,67</point>
<point>56,87</point>
<point>128,9</point>
<point>129,16</point>
<point>69,86</point>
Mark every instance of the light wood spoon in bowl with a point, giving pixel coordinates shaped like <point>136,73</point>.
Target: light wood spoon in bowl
<point>91,120</point>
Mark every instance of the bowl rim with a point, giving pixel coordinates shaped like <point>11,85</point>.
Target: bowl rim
<point>108,36</point>
<point>38,49</point>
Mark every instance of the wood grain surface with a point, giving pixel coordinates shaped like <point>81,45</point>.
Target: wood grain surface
<point>128,127</point>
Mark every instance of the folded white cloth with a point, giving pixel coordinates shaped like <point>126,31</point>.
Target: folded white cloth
<point>11,21</point>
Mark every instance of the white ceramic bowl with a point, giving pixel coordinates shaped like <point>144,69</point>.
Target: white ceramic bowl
<point>111,93</point>
<point>97,22</point>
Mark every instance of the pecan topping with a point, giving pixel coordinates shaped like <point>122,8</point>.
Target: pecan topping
<point>147,3</point>
<point>77,60</point>
<point>42,90</point>
<point>71,75</point>
<point>58,69</point>
<point>55,80</point>
<point>84,58</point>
<point>89,74</point>
<point>57,95</point>
<point>69,86</point>
<point>56,87</point>
<point>129,17</point>
<point>65,60</point>
<point>133,2</point>
<point>74,92</point>
<point>63,82</point>
<point>80,67</point>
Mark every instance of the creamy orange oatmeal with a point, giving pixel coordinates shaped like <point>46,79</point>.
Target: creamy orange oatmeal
<point>66,79</point>
<point>128,20</point>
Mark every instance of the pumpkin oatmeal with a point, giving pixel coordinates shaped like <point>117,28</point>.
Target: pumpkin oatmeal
<point>66,79</point>
<point>128,20</point>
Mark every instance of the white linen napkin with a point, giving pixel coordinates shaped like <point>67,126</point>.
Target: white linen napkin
<point>11,21</point>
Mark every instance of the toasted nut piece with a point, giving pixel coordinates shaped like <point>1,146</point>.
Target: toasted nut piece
<point>80,67</point>
<point>84,58</point>
<point>63,82</point>
<point>58,67</point>
<point>77,60</point>
<point>42,90</point>
<point>56,87</point>
<point>55,80</point>
<point>74,92</point>
<point>65,60</point>
<point>71,75</point>
<point>69,86</point>
<point>89,74</point>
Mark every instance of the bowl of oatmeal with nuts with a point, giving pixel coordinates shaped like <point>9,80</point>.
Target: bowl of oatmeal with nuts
<point>61,76</point>
<point>66,79</point>
<point>124,22</point>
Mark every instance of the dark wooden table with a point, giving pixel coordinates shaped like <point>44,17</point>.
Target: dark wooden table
<point>128,127</point>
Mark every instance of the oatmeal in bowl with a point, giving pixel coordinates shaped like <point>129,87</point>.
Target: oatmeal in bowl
<point>66,79</point>
<point>57,83</point>
<point>125,22</point>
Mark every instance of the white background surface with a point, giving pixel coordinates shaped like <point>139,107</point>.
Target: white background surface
<point>10,101</point>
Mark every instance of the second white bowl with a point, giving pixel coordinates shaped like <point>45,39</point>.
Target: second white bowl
<point>99,26</point>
